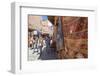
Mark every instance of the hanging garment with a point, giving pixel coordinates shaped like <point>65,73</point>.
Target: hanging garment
<point>59,36</point>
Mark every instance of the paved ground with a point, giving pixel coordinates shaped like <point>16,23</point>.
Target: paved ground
<point>45,54</point>
<point>32,56</point>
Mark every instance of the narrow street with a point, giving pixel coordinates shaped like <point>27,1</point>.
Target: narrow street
<point>57,37</point>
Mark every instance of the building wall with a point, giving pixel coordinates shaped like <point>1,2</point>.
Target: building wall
<point>75,31</point>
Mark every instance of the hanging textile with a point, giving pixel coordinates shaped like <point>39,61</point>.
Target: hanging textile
<point>59,36</point>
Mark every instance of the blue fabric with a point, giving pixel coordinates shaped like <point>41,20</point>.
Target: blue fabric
<point>44,18</point>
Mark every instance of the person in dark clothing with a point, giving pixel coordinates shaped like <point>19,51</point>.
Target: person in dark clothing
<point>47,39</point>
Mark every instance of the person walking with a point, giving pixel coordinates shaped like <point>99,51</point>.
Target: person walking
<point>35,48</point>
<point>43,45</point>
<point>47,44</point>
<point>40,44</point>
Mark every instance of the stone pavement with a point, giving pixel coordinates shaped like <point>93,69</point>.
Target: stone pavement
<point>46,54</point>
<point>32,56</point>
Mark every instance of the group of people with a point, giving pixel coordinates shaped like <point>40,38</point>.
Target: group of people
<point>39,43</point>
